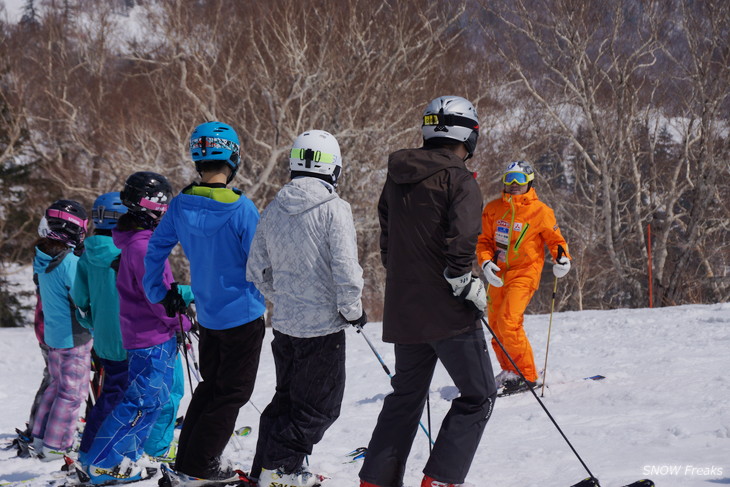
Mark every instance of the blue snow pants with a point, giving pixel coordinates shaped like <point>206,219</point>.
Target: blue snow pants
<point>163,431</point>
<point>112,393</point>
<point>125,431</point>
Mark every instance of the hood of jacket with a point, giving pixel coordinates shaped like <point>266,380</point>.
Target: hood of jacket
<point>304,193</point>
<point>205,216</point>
<point>122,240</point>
<point>100,250</point>
<point>41,261</point>
<point>46,263</point>
<point>408,166</point>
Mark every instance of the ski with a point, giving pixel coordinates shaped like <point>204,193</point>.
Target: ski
<point>357,454</point>
<point>593,482</point>
<point>170,478</point>
<point>73,467</point>
<point>502,393</point>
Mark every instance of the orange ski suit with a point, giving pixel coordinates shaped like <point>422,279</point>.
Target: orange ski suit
<point>515,229</point>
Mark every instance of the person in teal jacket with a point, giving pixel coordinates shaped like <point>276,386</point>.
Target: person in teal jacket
<point>62,230</point>
<point>95,295</point>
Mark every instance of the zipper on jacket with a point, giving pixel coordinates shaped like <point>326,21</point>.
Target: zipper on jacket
<point>509,233</point>
<point>522,234</point>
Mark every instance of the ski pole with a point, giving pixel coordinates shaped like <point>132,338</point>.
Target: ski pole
<point>550,325</point>
<point>387,371</point>
<point>428,415</point>
<point>196,368</point>
<point>547,347</point>
<point>173,286</point>
<point>484,322</point>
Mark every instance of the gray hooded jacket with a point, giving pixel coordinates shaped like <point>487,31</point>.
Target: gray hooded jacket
<point>304,260</point>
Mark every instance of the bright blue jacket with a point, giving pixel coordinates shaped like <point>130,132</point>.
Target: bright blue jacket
<point>55,279</point>
<point>216,237</point>
<point>95,294</point>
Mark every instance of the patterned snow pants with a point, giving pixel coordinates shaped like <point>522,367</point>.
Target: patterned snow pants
<point>125,431</point>
<point>58,412</point>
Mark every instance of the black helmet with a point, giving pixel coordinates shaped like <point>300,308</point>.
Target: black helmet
<point>147,195</point>
<point>65,221</point>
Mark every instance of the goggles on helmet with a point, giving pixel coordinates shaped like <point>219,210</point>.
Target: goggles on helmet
<point>316,156</point>
<point>62,215</point>
<point>515,177</point>
<point>442,120</point>
<point>100,213</point>
<point>204,143</point>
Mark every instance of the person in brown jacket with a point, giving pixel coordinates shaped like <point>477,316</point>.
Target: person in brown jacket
<point>429,211</point>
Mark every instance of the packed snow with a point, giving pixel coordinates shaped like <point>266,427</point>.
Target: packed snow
<point>662,412</point>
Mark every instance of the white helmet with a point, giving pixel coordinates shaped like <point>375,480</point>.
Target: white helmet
<point>451,117</point>
<point>316,153</point>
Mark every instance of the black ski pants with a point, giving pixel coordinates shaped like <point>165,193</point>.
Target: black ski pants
<point>229,361</point>
<point>310,384</point>
<point>466,359</point>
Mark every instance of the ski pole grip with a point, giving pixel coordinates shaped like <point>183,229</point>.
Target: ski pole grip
<point>561,253</point>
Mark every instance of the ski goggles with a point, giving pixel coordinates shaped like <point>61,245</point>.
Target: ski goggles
<point>204,143</point>
<point>312,155</point>
<point>515,177</point>
<point>62,215</point>
<point>442,120</point>
<point>100,213</point>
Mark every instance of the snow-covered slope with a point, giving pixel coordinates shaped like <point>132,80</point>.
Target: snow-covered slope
<point>662,412</point>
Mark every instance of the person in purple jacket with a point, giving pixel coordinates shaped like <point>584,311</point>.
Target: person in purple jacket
<point>148,335</point>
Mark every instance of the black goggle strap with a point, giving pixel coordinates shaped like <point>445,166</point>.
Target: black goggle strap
<point>442,120</point>
<point>100,213</point>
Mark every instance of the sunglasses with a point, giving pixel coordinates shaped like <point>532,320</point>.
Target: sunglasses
<point>515,177</point>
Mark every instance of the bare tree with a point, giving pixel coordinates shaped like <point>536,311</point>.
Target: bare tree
<point>592,68</point>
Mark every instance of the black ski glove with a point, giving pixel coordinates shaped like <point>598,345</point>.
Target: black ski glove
<point>359,321</point>
<point>173,303</point>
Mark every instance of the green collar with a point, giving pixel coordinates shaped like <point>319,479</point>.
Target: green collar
<point>222,195</point>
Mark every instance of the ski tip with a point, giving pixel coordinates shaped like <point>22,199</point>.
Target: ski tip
<point>641,483</point>
<point>595,377</point>
<point>589,482</point>
<point>243,431</point>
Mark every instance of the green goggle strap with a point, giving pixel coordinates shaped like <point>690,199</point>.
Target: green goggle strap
<point>317,156</point>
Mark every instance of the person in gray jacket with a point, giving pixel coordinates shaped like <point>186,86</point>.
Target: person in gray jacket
<point>304,260</point>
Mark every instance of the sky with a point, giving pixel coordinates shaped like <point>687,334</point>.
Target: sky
<point>12,11</point>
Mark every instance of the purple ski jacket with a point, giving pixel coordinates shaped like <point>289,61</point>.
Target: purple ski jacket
<point>143,324</point>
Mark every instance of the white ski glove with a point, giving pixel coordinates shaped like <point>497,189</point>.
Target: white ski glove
<point>490,272</point>
<point>561,267</point>
<point>469,289</point>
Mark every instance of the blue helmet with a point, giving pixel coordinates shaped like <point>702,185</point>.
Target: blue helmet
<point>107,209</point>
<point>215,141</point>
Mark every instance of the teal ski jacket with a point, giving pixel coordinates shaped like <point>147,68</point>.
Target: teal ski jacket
<point>95,294</point>
<point>55,278</point>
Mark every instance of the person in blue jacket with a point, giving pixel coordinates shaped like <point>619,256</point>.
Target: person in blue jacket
<point>215,226</point>
<point>95,294</point>
<point>62,230</point>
